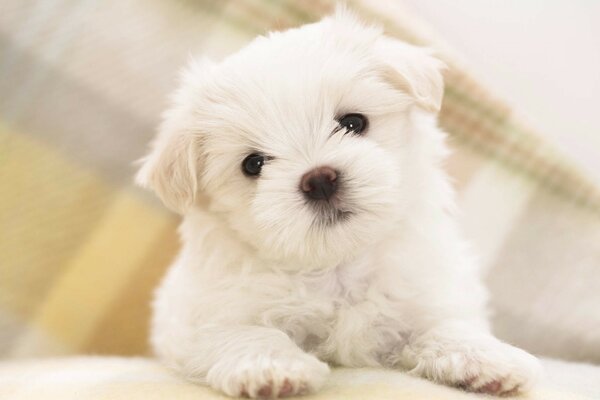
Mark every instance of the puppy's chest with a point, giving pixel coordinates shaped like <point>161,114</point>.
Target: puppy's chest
<point>318,296</point>
<point>344,286</point>
<point>332,304</point>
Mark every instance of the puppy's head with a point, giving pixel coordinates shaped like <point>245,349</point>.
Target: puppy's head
<point>308,144</point>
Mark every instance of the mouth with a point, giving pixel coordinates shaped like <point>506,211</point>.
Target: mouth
<point>329,213</point>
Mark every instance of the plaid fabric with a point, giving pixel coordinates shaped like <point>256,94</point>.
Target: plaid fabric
<point>82,86</point>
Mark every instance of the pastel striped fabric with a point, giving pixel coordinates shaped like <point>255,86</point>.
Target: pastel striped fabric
<point>82,86</point>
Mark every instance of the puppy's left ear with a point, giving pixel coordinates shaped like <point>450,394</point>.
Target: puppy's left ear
<point>413,70</point>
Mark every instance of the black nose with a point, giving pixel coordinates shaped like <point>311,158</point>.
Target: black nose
<point>319,183</point>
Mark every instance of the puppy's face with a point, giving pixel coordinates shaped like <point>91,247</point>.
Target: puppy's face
<point>305,143</point>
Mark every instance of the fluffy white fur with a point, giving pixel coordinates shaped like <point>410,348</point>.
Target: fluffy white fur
<point>266,293</point>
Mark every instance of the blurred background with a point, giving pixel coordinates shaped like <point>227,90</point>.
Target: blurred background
<point>82,86</point>
<point>542,56</point>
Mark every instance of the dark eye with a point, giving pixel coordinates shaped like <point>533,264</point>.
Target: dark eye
<point>356,123</point>
<point>252,164</point>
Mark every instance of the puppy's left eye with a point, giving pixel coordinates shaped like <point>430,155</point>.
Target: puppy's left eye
<point>355,123</point>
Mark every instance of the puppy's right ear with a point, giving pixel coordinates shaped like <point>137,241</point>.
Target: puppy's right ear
<point>171,167</point>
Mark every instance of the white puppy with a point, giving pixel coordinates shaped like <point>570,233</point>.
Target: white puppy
<point>318,223</point>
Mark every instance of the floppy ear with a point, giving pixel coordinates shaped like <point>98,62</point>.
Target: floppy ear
<point>171,167</point>
<point>413,70</point>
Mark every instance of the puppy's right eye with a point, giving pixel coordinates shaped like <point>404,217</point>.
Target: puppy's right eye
<point>252,165</point>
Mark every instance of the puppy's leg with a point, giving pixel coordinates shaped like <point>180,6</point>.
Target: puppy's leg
<point>248,361</point>
<point>450,341</point>
<point>462,355</point>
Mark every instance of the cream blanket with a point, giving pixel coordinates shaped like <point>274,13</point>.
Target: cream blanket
<point>115,378</point>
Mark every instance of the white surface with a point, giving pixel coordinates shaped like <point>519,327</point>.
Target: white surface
<point>541,56</point>
<point>116,378</point>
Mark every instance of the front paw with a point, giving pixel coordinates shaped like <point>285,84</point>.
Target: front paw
<point>483,365</point>
<point>268,375</point>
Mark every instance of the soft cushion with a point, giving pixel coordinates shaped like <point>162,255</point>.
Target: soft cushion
<point>91,378</point>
